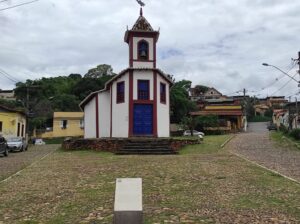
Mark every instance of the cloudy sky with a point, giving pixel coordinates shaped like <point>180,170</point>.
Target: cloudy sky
<point>221,44</point>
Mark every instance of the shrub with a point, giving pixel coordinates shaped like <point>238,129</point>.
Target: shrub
<point>295,133</point>
<point>283,129</point>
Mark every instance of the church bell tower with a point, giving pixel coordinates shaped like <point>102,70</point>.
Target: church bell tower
<point>142,41</point>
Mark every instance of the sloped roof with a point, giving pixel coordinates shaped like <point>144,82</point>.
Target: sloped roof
<point>109,82</point>
<point>12,110</point>
<point>142,25</point>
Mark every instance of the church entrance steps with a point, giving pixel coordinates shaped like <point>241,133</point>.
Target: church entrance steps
<point>146,146</point>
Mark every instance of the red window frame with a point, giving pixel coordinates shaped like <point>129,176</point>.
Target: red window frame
<point>162,89</point>
<point>143,94</point>
<point>121,92</point>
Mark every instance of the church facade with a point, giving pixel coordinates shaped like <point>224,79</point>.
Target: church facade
<point>136,101</point>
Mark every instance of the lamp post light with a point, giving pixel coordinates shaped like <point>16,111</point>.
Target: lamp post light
<point>266,64</point>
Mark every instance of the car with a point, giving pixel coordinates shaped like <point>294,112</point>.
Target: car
<point>17,144</point>
<point>39,141</point>
<point>272,127</point>
<point>195,133</point>
<point>3,146</point>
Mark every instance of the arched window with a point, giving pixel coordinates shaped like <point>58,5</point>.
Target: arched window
<point>143,50</point>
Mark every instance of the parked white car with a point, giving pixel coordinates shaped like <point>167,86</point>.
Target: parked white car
<point>17,144</point>
<point>195,133</point>
<point>39,141</point>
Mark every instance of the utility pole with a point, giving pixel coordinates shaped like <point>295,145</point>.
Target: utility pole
<point>298,62</point>
<point>245,111</point>
<point>296,123</point>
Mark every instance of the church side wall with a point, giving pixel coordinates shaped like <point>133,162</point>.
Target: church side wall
<point>104,114</point>
<point>120,110</point>
<point>90,119</point>
<point>163,116</point>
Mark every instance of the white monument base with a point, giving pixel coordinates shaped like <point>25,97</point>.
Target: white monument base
<point>128,208</point>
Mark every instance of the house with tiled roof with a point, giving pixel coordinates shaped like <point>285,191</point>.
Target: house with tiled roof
<point>136,101</point>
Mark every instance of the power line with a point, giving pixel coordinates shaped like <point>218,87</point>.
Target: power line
<point>284,85</point>
<point>10,76</point>
<point>276,80</point>
<point>14,6</point>
<point>1,73</point>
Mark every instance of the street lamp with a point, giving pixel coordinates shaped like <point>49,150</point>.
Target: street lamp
<point>265,64</point>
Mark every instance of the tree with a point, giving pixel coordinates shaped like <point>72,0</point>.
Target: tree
<point>200,90</point>
<point>180,104</point>
<point>100,71</point>
<point>87,85</point>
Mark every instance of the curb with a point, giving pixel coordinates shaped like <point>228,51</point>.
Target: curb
<point>228,140</point>
<point>261,166</point>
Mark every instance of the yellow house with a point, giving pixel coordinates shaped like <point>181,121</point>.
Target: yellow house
<point>12,122</point>
<point>66,124</point>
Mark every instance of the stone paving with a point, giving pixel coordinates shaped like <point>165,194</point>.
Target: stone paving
<point>19,160</point>
<point>256,145</point>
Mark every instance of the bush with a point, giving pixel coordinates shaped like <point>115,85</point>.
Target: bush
<point>283,129</point>
<point>260,119</point>
<point>295,133</point>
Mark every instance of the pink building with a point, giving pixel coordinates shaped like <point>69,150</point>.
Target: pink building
<point>136,101</point>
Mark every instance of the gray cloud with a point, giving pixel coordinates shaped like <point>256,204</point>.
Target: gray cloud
<point>215,43</point>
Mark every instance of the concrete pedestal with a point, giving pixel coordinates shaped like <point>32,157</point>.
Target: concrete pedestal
<point>128,208</point>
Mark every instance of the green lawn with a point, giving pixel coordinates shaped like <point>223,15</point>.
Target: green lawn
<point>284,140</point>
<point>204,184</point>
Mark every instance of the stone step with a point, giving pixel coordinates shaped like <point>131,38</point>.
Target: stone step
<point>148,152</point>
<point>145,149</point>
<point>148,143</point>
<point>138,146</point>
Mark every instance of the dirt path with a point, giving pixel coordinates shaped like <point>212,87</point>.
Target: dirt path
<point>256,146</point>
<point>19,160</point>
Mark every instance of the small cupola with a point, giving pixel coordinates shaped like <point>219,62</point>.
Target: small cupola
<point>142,39</point>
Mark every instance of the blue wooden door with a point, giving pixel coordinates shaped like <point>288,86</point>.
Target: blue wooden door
<point>143,119</point>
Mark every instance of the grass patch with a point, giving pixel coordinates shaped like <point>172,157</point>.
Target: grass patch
<point>206,187</point>
<point>285,141</point>
<point>210,144</point>
<point>54,140</point>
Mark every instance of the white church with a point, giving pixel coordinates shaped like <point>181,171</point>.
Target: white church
<point>135,102</point>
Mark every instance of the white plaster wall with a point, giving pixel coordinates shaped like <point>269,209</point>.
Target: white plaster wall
<point>150,42</point>
<point>90,119</point>
<point>138,64</point>
<point>163,110</point>
<point>143,75</point>
<point>104,114</point>
<point>120,111</point>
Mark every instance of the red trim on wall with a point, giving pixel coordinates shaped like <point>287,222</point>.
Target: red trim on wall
<point>111,110</point>
<point>97,116</point>
<point>130,51</point>
<point>143,101</point>
<point>130,120</point>
<point>155,112</point>
<point>154,53</point>
<point>136,60</point>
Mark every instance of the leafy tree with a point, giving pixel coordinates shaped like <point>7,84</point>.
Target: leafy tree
<point>199,89</point>
<point>180,104</point>
<point>87,85</point>
<point>100,71</point>
<point>65,103</point>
